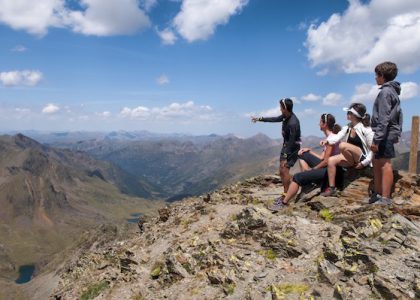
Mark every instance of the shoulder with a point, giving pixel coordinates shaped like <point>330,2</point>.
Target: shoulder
<point>295,118</point>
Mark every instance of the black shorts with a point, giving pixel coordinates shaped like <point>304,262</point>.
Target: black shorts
<point>290,157</point>
<point>310,159</point>
<point>317,176</point>
<point>385,149</point>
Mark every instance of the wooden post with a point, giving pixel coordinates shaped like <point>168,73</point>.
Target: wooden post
<point>412,165</point>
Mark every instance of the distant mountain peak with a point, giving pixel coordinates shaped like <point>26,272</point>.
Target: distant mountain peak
<point>25,142</point>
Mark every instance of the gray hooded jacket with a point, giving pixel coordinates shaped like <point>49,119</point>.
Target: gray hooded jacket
<point>387,115</point>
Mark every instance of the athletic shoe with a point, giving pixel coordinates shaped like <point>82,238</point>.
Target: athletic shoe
<point>278,204</point>
<point>383,201</point>
<point>330,192</point>
<point>373,198</point>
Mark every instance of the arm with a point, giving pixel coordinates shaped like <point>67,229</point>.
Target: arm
<point>271,119</point>
<point>335,138</point>
<point>368,159</point>
<point>326,155</point>
<point>294,137</point>
<point>384,114</point>
<point>400,119</point>
<point>368,134</point>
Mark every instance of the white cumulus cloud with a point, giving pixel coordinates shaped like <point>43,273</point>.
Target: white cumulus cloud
<point>25,77</point>
<point>311,97</point>
<point>307,112</point>
<point>19,48</point>
<point>367,92</point>
<point>167,36</point>
<point>32,16</point>
<point>50,109</point>
<point>96,17</point>
<point>409,90</point>
<point>332,99</point>
<point>162,80</point>
<point>148,4</point>
<point>367,34</point>
<point>107,17</point>
<point>187,110</point>
<point>104,114</point>
<point>198,20</point>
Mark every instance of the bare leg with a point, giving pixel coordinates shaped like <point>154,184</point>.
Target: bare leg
<point>351,153</point>
<point>285,175</point>
<point>377,176</point>
<point>303,165</point>
<point>333,162</point>
<point>387,177</point>
<point>291,192</point>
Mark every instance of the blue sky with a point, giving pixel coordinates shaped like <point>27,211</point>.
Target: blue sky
<point>198,66</point>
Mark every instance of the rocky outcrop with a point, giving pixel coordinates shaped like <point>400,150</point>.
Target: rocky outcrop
<point>228,245</point>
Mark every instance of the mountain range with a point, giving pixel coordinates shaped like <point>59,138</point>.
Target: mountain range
<point>49,196</point>
<point>174,166</point>
<point>177,166</point>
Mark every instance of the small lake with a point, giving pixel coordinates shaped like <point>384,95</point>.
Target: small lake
<point>134,218</point>
<point>25,274</point>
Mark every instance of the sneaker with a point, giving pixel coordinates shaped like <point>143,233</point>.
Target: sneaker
<point>330,192</point>
<point>373,198</point>
<point>383,201</point>
<point>278,204</point>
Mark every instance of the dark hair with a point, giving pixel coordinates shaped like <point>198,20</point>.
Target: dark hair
<point>366,120</point>
<point>329,119</point>
<point>287,104</point>
<point>361,110</point>
<point>388,70</point>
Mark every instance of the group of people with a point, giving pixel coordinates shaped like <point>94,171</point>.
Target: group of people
<point>365,141</point>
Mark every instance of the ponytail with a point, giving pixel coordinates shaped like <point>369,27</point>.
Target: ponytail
<point>336,129</point>
<point>329,119</point>
<point>366,120</point>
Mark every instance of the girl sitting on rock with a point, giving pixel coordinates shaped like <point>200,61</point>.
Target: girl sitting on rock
<point>356,139</point>
<point>313,164</point>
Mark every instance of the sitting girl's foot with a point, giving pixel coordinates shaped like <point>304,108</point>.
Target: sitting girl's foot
<point>330,192</point>
<point>278,204</point>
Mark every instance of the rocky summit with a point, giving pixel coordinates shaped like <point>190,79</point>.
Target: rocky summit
<point>227,244</point>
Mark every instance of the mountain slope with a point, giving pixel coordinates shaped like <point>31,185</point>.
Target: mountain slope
<point>190,165</point>
<point>49,196</point>
<point>228,245</point>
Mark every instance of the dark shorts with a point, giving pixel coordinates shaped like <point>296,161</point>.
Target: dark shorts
<point>291,157</point>
<point>318,176</point>
<point>310,159</point>
<point>385,149</point>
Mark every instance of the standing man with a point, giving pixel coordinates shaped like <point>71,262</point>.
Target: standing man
<point>387,125</point>
<point>291,145</point>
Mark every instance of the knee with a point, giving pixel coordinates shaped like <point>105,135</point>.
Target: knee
<point>342,146</point>
<point>331,162</point>
<point>284,170</point>
<point>297,178</point>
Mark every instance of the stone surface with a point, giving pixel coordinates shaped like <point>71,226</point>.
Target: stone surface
<point>228,245</point>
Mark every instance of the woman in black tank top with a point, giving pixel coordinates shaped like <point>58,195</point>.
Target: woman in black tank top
<point>352,151</point>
